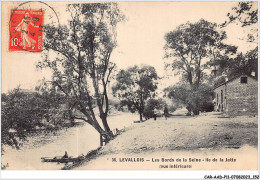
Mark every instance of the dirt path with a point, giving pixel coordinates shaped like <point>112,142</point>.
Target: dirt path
<point>181,136</point>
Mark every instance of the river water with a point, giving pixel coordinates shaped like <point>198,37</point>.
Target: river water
<point>75,140</point>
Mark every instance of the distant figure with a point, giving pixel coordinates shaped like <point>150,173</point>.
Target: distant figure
<point>165,112</point>
<point>154,113</point>
<point>117,132</point>
<point>65,155</point>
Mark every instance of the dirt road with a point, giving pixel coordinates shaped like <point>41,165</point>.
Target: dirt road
<point>182,136</point>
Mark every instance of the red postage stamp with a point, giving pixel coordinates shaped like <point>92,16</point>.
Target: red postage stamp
<point>26,30</point>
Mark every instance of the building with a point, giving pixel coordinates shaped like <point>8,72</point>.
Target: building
<point>237,96</point>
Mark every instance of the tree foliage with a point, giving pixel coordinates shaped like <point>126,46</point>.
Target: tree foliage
<point>194,100</point>
<point>245,12</point>
<point>152,104</point>
<point>22,111</point>
<point>135,85</point>
<point>246,15</point>
<point>81,68</point>
<point>191,46</point>
<point>240,64</point>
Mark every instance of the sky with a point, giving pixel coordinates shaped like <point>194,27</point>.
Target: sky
<point>140,38</point>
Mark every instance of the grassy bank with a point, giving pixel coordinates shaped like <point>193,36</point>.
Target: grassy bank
<point>182,133</point>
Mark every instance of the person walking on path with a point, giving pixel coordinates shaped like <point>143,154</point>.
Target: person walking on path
<point>155,111</point>
<point>165,111</point>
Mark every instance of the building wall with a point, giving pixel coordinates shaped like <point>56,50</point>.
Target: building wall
<point>238,98</point>
<point>242,98</point>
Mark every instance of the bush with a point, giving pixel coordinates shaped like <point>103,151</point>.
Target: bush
<point>23,111</point>
<point>151,105</point>
<point>195,100</point>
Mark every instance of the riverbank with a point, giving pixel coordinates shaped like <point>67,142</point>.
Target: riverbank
<point>76,140</point>
<point>183,137</point>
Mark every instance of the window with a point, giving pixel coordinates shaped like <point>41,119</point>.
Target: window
<point>243,80</point>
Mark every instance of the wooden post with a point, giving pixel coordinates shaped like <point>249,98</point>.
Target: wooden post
<point>104,138</point>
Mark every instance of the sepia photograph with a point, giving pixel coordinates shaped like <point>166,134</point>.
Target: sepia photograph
<point>112,85</point>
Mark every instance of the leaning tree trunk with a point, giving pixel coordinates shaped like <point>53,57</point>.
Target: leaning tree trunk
<point>106,126</point>
<point>93,121</point>
<point>96,125</point>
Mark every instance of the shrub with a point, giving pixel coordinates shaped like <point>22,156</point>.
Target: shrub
<point>151,105</point>
<point>195,100</point>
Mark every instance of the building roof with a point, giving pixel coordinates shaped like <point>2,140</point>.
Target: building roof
<point>231,79</point>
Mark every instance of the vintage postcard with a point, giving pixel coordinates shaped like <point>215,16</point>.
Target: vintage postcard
<point>129,85</point>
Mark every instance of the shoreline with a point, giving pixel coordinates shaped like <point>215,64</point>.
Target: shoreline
<point>89,156</point>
